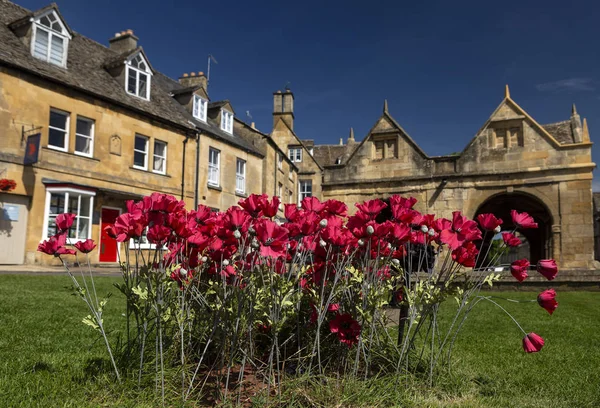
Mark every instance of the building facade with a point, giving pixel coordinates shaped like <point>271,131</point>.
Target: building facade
<point>110,128</point>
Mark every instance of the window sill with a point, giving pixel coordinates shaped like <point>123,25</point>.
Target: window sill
<point>239,194</point>
<point>54,149</point>
<point>213,187</point>
<point>148,171</point>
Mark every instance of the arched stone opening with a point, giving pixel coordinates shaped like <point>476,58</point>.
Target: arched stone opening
<point>539,240</point>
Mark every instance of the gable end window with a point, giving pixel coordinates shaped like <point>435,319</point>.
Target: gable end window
<point>199,108</point>
<point>50,39</point>
<point>137,77</point>
<point>227,121</point>
<point>295,154</point>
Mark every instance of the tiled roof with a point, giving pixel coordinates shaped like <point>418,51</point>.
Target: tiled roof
<point>562,131</point>
<point>327,155</point>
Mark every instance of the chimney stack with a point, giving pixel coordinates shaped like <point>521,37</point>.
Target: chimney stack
<point>341,141</point>
<point>193,79</point>
<point>283,107</point>
<point>351,137</point>
<point>123,41</point>
<point>576,125</point>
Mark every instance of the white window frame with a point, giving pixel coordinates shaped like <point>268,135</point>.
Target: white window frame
<point>200,108</point>
<point>66,130</point>
<point>155,156</point>
<point>144,244</point>
<point>91,136</point>
<point>280,161</point>
<point>227,121</point>
<point>240,176</point>
<point>138,71</point>
<point>214,168</point>
<point>64,35</point>
<point>303,191</point>
<point>147,139</point>
<point>67,191</point>
<point>295,154</point>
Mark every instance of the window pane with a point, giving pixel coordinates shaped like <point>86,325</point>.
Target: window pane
<point>56,138</point>
<point>159,164</point>
<point>52,230</point>
<point>131,81</point>
<point>83,144</point>
<point>40,48</point>
<point>84,228</point>
<point>58,120</point>
<point>57,50</point>
<point>140,143</point>
<point>139,159</point>
<point>57,203</point>
<point>45,21</point>
<point>84,127</point>
<point>84,209</point>
<point>142,85</point>
<point>159,149</point>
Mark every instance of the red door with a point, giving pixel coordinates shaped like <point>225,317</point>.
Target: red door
<point>108,245</point>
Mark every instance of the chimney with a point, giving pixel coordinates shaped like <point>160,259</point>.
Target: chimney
<point>576,125</point>
<point>341,141</point>
<point>283,107</point>
<point>253,125</point>
<point>351,137</point>
<point>193,79</point>
<point>123,41</point>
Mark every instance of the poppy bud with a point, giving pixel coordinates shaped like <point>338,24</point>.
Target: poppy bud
<point>237,234</point>
<point>225,262</point>
<point>431,232</point>
<point>424,229</point>
<point>204,259</point>
<point>323,223</point>
<point>370,230</point>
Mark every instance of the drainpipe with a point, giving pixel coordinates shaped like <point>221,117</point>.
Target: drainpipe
<point>197,173</point>
<point>183,167</point>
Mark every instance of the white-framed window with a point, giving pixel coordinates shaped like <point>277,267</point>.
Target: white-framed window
<point>295,154</point>
<point>143,243</point>
<point>137,77</point>
<point>140,152</point>
<point>279,161</point>
<point>240,176</point>
<point>199,108</point>
<point>50,39</point>
<point>304,189</point>
<point>69,200</point>
<point>84,137</point>
<point>214,159</point>
<point>227,121</point>
<point>58,130</point>
<point>159,164</point>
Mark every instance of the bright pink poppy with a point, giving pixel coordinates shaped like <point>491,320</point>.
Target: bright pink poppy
<point>523,220</point>
<point>532,343</point>
<point>273,238</point>
<point>129,226</point>
<point>252,204</point>
<point>489,222</point>
<point>372,208</point>
<point>510,239</point>
<point>547,300</point>
<point>346,328</point>
<point>466,254</point>
<point>291,212</point>
<point>85,246</point>
<point>519,269</point>
<point>312,204</point>
<point>335,207</point>
<point>397,201</point>
<point>270,208</point>
<point>548,268</point>
<point>462,230</point>
<point>158,234</point>
<point>64,221</point>
<point>55,246</point>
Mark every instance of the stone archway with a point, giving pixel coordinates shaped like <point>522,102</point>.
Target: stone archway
<point>540,240</point>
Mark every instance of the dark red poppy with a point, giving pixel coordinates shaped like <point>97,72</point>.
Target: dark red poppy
<point>129,226</point>
<point>253,204</point>
<point>55,246</point>
<point>272,238</point>
<point>312,204</point>
<point>158,234</point>
<point>346,328</point>
<point>510,239</point>
<point>532,343</point>
<point>519,269</point>
<point>371,208</point>
<point>523,220</point>
<point>335,207</point>
<point>489,222</point>
<point>85,246</point>
<point>466,254</point>
<point>547,300</point>
<point>548,268</point>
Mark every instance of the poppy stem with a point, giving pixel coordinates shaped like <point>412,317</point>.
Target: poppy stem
<point>504,310</point>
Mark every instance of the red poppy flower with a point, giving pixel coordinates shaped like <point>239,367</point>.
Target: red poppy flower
<point>64,221</point>
<point>519,269</point>
<point>372,208</point>
<point>466,254</point>
<point>85,246</point>
<point>291,212</point>
<point>547,300</point>
<point>548,268</point>
<point>158,234</point>
<point>346,328</point>
<point>129,226</point>
<point>55,246</point>
<point>269,209</point>
<point>489,222</point>
<point>523,220</point>
<point>532,343</point>
<point>312,204</point>
<point>397,201</point>
<point>273,238</point>
<point>510,239</point>
<point>252,204</point>
<point>462,230</point>
<point>335,207</point>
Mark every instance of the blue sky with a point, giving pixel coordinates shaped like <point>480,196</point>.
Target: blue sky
<point>441,65</point>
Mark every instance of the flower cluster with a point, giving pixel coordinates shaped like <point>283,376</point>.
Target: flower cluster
<point>7,185</point>
<point>55,245</point>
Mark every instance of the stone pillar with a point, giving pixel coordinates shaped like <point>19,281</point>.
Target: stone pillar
<point>556,243</point>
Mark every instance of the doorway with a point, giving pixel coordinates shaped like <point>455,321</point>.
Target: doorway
<point>109,247</point>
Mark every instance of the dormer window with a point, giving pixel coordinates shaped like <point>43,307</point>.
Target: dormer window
<point>199,109</point>
<point>137,76</point>
<point>50,39</point>
<point>227,121</point>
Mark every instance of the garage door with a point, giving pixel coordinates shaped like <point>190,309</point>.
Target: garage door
<point>13,227</point>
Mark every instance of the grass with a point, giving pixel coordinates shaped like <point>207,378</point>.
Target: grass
<point>48,358</point>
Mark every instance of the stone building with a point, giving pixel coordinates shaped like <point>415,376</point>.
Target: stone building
<point>512,162</point>
<point>109,127</point>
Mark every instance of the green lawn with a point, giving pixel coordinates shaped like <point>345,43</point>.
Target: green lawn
<point>49,358</point>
